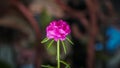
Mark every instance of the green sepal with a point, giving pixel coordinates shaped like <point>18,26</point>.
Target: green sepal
<point>69,40</point>
<point>50,44</point>
<point>64,46</point>
<point>44,40</point>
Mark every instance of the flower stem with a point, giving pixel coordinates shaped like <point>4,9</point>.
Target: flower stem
<point>58,54</point>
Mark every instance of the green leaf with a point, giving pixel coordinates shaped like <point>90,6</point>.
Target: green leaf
<point>67,65</point>
<point>47,66</point>
<point>50,44</point>
<point>44,40</point>
<point>64,46</point>
<point>69,40</point>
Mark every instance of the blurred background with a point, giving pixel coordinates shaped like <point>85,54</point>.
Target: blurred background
<point>95,26</point>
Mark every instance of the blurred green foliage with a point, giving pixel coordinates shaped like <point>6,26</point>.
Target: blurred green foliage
<point>102,56</point>
<point>45,18</point>
<point>4,64</point>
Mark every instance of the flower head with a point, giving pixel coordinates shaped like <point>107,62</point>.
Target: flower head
<point>58,30</point>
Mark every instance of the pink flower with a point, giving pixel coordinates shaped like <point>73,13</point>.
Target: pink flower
<point>58,30</point>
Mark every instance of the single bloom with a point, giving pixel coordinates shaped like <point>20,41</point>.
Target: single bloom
<point>57,30</point>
